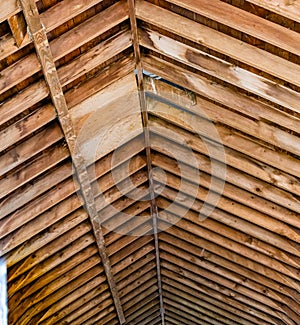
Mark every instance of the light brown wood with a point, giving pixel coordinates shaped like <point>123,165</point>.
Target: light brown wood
<point>18,28</point>
<point>219,42</point>
<point>50,73</point>
<point>245,22</point>
<point>225,71</point>
<point>287,8</point>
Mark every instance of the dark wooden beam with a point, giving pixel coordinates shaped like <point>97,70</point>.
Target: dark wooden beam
<point>144,114</point>
<point>39,37</point>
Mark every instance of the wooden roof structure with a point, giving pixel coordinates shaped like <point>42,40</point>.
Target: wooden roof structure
<point>149,166</point>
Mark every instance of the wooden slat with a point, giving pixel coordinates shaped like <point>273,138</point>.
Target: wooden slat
<point>219,42</point>
<point>23,100</point>
<point>65,44</point>
<point>25,195</point>
<point>236,162</point>
<point>79,234</point>
<point>29,148</point>
<point>235,261</point>
<point>201,299</point>
<point>27,173</point>
<point>245,22</point>
<point>70,308</point>
<point>237,193</point>
<point>113,112</point>
<point>264,292</point>
<point>95,57</point>
<point>289,9</point>
<point>33,228</point>
<point>18,28</point>
<point>259,242</point>
<point>252,243</point>
<point>51,18</point>
<point>171,271</point>
<point>26,126</point>
<point>221,69</point>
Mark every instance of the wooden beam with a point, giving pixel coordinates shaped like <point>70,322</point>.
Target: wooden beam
<point>17,26</point>
<point>66,43</point>
<point>40,40</point>
<point>245,22</point>
<point>229,137</point>
<point>144,115</point>
<point>202,35</point>
<point>237,162</point>
<point>286,8</point>
<point>221,69</point>
<point>51,18</point>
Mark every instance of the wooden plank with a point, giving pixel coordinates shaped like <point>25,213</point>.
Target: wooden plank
<point>27,173</point>
<point>257,199</point>
<point>219,42</point>
<point>36,207</point>
<point>40,223</point>
<point>25,195</point>
<point>239,263</point>
<point>18,28</point>
<point>51,18</point>
<point>205,300</point>
<point>235,161</point>
<point>112,112</point>
<point>65,44</point>
<point>239,210</point>
<point>105,316</point>
<point>47,62</point>
<point>203,313</point>
<point>63,296</point>
<point>70,308</point>
<point>49,274</point>
<point>285,8</point>
<point>29,148</point>
<point>106,77</point>
<point>95,57</point>
<point>125,275</point>
<point>85,317</point>
<point>257,123</point>
<point>88,310</point>
<point>26,126</point>
<point>262,238</point>
<point>19,71</point>
<point>89,30</point>
<point>81,233</point>
<point>245,22</point>
<point>235,140</point>
<point>171,271</point>
<point>223,70</point>
<point>65,10</point>
<point>210,267</point>
<point>22,101</point>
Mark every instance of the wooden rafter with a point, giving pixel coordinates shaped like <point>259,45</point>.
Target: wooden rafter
<point>144,114</point>
<point>39,37</point>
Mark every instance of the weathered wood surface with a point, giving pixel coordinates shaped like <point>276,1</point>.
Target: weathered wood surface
<point>219,42</point>
<point>223,70</point>
<point>289,9</point>
<point>245,22</point>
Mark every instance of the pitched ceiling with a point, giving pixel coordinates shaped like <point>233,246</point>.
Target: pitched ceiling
<point>149,168</point>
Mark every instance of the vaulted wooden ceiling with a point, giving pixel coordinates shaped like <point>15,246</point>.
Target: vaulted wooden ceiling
<point>149,168</point>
